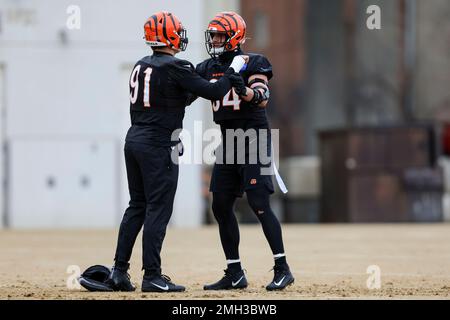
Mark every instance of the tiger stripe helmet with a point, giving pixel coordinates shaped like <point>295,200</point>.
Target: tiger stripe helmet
<point>232,25</point>
<point>163,29</point>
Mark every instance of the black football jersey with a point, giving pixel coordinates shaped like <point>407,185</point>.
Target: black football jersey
<point>231,106</point>
<point>161,86</point>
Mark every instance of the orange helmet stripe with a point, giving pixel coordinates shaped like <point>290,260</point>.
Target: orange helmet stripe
<point>164,29</point>
<point>175,27</point>
<point>155,20</point>
<point>232,18</point>
<point>160,18</point>
<point>219,23</point>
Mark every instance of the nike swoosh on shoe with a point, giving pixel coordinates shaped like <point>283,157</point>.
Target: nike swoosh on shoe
<point>161,287</point>
<point>279,282</point>
<point>234,284</point>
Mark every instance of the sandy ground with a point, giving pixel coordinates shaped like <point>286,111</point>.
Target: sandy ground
<point>328,261</point>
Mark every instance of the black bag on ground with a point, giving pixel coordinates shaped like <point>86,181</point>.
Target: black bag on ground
<point>95,278</point>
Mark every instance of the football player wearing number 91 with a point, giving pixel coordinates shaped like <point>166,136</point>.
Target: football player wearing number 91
<point>161,86</point>
<point>241,108</point>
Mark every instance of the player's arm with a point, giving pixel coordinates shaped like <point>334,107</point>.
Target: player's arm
<point>200,87</point>
<point>191,99</point>
<point>257,93</point>
<point>192,82</point>
<point>257,90</point>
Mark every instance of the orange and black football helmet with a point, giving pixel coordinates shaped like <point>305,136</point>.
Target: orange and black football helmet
<point>163,29</point>
<point>232,26</point>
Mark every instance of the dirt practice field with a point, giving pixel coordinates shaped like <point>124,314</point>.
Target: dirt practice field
<point>328,261</point>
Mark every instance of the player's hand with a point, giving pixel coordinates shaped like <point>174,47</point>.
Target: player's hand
<point>238,63</point>
<point>245,57</point>
<point>238,83</point>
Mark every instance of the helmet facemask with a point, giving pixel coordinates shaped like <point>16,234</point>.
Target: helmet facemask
<point>213,50</point>
<point>182,34</point>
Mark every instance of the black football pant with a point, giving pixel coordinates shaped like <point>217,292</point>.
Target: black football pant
<point>152,182</point>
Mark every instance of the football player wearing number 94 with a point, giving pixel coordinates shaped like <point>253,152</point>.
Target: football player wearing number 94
<point>241,108</point>
<point>161,86</point>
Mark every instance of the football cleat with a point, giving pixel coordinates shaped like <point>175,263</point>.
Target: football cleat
<point>281,279</point>
<point>229,281</point>
<point>160,283</point>
<point>119,280</point>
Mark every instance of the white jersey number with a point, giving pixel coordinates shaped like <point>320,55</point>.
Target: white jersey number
<point>230,99</point>
<point>134,84</point>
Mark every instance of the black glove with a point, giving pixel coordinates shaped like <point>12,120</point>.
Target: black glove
<point>237,82</point>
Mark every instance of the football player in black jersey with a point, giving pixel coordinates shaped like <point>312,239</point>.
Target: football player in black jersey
<point>241,108</point>
<point>161,86</point>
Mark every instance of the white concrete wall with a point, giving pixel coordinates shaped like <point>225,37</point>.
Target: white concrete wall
<point>68,110</point>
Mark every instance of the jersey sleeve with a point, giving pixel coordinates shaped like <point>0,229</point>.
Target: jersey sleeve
<point>201,69</point>
<point>184,74</point>
<point>259,64</point>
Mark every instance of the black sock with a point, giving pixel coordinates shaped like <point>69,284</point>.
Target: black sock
<point>235,267</point>
<point>151,274</point>
<point>281,262</point>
